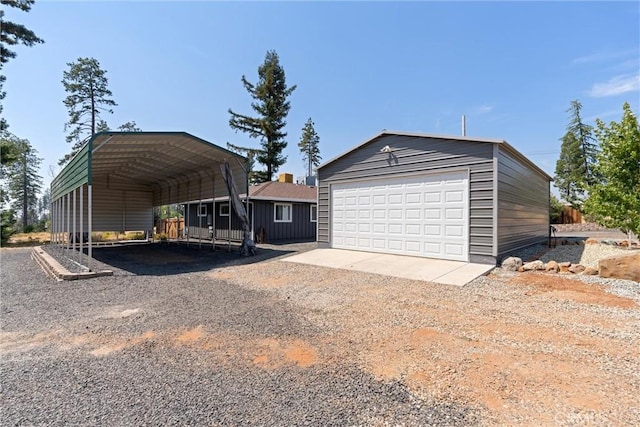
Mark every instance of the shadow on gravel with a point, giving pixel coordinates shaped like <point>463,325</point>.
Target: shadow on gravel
<point>157,259</point>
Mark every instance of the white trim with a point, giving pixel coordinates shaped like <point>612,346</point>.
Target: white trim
<point>311,208</point>
<point>200,209</point>
<point>224,205</point>
<point>275,212</point>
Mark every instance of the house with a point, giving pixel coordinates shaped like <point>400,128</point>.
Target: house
<point>446,197</point>
<point>278,211</point>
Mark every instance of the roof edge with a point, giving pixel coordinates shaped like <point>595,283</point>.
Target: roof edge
<point>415,134</point>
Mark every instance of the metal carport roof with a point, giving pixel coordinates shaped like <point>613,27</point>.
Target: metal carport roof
<point>126,174</point>
<point>161,161</point>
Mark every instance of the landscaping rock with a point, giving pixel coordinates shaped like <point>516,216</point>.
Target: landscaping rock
<point>590,271</point>
<point>576,268</point>
<point>564,266</point>
<point>591,241</point>
<point>621,266</point>
<point>552,267</point>
<point>533,265</point>
<point>512,264</point>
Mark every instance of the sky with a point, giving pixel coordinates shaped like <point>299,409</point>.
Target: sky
<point>512,68</point>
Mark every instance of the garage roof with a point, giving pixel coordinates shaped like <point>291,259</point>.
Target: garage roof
<point>153,159</point>
<point>501,142</point>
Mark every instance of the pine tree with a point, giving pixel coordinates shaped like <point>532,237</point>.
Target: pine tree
<point>577,154</point>
<point>584,134</point>
<point>129,127</point>
<point>270,95</point>
<point>12,34</point>
<point>614,200</point>
<point>24,182</point>
<point>89,95</point>
<point>570,170</point>
<point>309,146</point>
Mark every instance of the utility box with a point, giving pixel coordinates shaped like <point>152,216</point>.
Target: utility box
<point>285,177</point>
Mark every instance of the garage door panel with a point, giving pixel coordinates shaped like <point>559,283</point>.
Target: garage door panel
<point>421,215</point>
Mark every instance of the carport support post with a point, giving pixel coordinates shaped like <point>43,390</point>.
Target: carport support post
<point>199,211</point>
<point>213,210</point>
<point>68,230</point>
<point>81,221</point>
<point>188,217</point>
<point>74,220</point>
<point>89,214</point>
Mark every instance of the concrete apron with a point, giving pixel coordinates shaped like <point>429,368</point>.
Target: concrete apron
<point>457,273</point>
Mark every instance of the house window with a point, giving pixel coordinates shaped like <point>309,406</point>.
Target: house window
<point>224,209</point>
<point>314,213</point>
<point>282,212</point>
<point>202,211</point>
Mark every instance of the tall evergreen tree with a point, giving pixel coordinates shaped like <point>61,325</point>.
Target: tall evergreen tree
<point>24,182</point>
<point>570,170</point>
<point>577,154</point>
<point>270,103</point>
<point>129,127</point>
<point>614,200</point>
<point>309,146</point>
<point>584,134</point>
<point>88,96</point>
<point>12,34</point>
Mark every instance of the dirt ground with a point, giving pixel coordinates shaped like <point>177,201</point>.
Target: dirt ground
<point>532,349</point>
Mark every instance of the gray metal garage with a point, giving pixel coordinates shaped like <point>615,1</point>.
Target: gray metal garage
<point>448,197</point>
<point>117,178</point>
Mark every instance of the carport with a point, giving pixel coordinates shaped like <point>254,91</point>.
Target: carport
<point>117,178</point>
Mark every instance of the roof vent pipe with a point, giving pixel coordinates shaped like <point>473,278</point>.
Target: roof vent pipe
<point>464,125</point>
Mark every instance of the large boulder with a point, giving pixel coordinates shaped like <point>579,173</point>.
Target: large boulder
<point>511,264</point>
<point>625,266</point>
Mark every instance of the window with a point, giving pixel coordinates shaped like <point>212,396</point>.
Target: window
<point>282,212</point>
<point>224,209</point>
<point>314,213</point>
<point>203,210</point>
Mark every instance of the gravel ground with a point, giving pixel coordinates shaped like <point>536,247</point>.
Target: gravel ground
<point>180,336</point>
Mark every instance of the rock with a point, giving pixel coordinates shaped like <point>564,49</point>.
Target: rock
<point>576,268</point>
<point>625,266</point>
<point>533,265</point>
<point>564,266</point>
<point>590,271</point>
<point>623,243</point>
<point>511,264</point>
<point>552,267</point>
<point>591,241</point>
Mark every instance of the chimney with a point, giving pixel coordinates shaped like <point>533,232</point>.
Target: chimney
<point>285,177</point>
<point>464,125</point>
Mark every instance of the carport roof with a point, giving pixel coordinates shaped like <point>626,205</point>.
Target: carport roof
<point>148,158</point>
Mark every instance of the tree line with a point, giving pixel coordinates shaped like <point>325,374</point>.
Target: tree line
<point>89,99</point>
<point>598,170</point>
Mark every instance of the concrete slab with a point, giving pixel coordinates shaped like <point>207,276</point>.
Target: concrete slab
<point>447,272</point>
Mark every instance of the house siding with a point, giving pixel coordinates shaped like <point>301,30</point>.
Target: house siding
<point>522,205</point>
<point>300,228</point>
<point>418,155</point>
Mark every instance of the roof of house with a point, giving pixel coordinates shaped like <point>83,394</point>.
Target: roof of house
<point>385,132</point>
<point>283,191</point>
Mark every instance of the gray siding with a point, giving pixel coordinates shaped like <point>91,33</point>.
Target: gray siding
<point>411,155</point>
<point>300,228</point>
<point>523,204</point>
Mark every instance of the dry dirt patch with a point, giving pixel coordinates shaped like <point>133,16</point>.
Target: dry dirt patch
<point>532,350</point>
<point>564,287</point>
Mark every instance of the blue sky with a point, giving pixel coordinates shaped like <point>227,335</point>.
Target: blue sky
<point>511,67</point>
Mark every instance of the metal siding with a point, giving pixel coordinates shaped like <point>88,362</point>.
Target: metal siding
<point>117,210</point>
<point>413,155</point>
<point>523,204</point>
<point>75,174</point>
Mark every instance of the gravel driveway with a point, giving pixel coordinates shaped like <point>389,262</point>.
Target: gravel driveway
<point>238,342</point>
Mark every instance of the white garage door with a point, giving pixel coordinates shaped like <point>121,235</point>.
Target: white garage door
<point>421,215</point>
